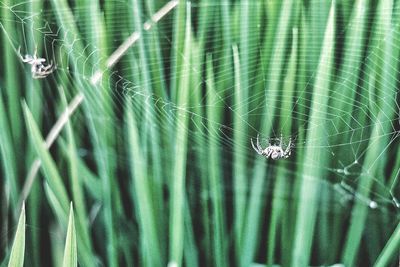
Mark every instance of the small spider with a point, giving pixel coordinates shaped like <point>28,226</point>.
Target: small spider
<point>274,151</point>
<point>39,70</point>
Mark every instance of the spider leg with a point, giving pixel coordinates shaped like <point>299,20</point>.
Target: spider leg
<point>288,149</point>
<point>26,59</point>
<point>40,75</point>
<point>255,148</point>
<point>19,54</point>
<point>36,76</point>
<point>35,53</point>
<point>258,143</point>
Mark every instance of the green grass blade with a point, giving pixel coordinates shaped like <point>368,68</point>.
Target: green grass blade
<point>309,189</point>
<point>201,156</point>
<point>391,249</point>
<point>279,203</point>
<point>277,62</point>
<point>245,39</point>
<point>151,253</point>
<point>55,205</point>
<point>226,32</point>
<point>347,79</point>
<point>76,182</point>
<point>179,43</point>
<point>7,155</point>
<point>190,251</point>
<point>253,218</point>
<point>18,248</point>
<point>360,209</point>
<point>240,141</point>
<point>177,188</point>
<point>49,166</point>
<point>90,181</point>
<point>156,60</point>
<point>152,129</point>
<point>272,13</point>
<point>218,254</point>
<point>11,78</point>
<point>70,251</point>
<point>34,98</point>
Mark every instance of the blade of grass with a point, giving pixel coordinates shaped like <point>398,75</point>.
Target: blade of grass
<point>177,188</point>
<point>239,165</point>
<point>151,129</point>
<point>34,98</point>
<point>245,39</point>
<point>55,205</point>
<point>11,79</point>
<point>308,199</point>
<point>251,231</point>
<point>156,60</point>
<point>179,45</point>
<point>345,89</point>
<point>18,248</point>
<point>276,65</point>
<point>360,209</point>
<point>76,184</point>
<point>70,251</point>
<point>7,154</point>
<point>226,32</point>
<point>143,201</point>
<point>90,181</point>
<point>279,202</point>
<point>49,167</point>
<point>57,242</point>
<point>197,121</point>
<point>318,14</point>
<point>347,79</point>
<point>390,250</point>
<point>50,138</point>
<point>190,250</point>
<point>218,252</point>
<point>272,13</point>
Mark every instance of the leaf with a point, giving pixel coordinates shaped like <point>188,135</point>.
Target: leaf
<point>49,168</point>
<point>18,248</point>
<point>70,251</point>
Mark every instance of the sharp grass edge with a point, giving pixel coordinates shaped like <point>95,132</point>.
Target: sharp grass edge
<point>70,250</point>
<point>18,247</point>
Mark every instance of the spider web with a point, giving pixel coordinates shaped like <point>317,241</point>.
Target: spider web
<point>358,133</point>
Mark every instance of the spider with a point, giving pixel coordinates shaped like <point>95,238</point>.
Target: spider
<point>39,70</point>
<point>274,151</point>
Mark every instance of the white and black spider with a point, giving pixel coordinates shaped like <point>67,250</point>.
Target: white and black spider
<point>38,68</point>
<point>273,151</point>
